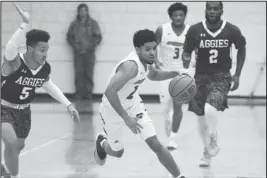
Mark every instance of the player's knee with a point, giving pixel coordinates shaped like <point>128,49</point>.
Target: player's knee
<point>119,153</point>
<point>154,144</point>
<point>210,110</point>
<point>117,148</point>
<point>20,147</point>
<point>11,144</point>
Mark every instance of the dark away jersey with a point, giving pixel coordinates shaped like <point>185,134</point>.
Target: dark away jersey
<point>19,87</point>
<point>213,48</point>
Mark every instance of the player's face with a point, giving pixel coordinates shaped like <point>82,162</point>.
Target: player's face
<point>213,12</point>
<point>178,18</point>
<point>83,12</point>
<point>147,53</point>
<point>39,52</point>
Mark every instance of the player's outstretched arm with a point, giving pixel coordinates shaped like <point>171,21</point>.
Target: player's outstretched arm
<point>56,93</point>
<point>158,75</point>
<point>11,49</point>
<point>11,60</point>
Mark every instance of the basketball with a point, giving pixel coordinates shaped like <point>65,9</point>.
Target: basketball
<point>182,88</point>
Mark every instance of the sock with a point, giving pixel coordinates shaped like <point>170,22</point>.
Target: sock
<point>203,130</point>
<point>172,135</point>
<point>212,118</point>
<point>102,142</point>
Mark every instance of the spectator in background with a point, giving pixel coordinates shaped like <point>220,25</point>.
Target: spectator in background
<point>84,36</point>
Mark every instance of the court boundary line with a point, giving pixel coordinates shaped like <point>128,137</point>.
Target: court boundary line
<point>45,144</point>
<point>26,152</point>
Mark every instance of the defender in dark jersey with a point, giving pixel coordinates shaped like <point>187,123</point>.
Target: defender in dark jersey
<point>22,74</point>
<point>213,39</point>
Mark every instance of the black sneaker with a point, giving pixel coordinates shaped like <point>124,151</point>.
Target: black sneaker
<point>100,155</point>
<point>4,174</point>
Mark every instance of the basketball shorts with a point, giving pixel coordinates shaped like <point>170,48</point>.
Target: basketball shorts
<point>113,124</point>
<point>20,119</point>
<point>212,89</point>
<point>164,85</point>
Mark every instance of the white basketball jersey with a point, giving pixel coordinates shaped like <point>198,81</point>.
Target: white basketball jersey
<point>128,95</point>
<point>171,46</point>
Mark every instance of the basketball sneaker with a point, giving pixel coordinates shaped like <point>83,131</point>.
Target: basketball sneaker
<point>4,174</point>
<point>172,144</point>
<point>206,159</point>
<point>99,154</point>
<point>213,148</point>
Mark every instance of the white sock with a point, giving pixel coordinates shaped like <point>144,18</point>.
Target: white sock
<point>212,118</point>
<point>172,135</point>
<point>102,142</point>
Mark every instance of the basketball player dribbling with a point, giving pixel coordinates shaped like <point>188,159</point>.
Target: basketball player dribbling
<point>121,103</point>
<point>213,39</point>
<point>170,40</point>
<point>22,74</point>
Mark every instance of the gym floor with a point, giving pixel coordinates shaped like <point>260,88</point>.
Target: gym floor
<point>57,148</point>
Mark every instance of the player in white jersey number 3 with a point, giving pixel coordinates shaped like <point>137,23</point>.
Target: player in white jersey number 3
<point>170,40</point>
<point>121,103</point>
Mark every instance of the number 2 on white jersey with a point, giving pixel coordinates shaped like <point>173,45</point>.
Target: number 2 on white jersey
<point>213,56</point>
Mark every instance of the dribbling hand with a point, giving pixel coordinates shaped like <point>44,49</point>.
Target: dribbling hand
<point>74,114</point>
<point>23,13</point>
<point>131,122</point>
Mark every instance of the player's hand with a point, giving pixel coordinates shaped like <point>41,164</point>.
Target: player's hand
<point>131,122</point>
<point>74,114</point>
<point>23,13</point>
<point>235,80</point>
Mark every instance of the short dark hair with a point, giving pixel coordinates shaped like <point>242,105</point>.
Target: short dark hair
<point>176,7</point>
<point>220,2</point>
<point>143,36</point>
<point>80,6</point>
<point>34,36</point>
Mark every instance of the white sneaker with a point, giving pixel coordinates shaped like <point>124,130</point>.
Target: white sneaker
<point>205,160</point>
<point>172,145</point>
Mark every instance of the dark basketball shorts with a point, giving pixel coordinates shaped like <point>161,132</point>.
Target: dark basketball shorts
<point>212,89</point>
<point>20,119</point>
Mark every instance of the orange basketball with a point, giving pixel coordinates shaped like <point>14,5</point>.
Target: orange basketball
<point>182,88</point>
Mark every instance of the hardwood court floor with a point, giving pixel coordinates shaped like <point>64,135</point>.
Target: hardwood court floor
<point>56,148</point>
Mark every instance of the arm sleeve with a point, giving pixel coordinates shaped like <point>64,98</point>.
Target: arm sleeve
<point>55,92</point>
<point>190,40</point>
<point>238,39</point>
<point>11,49</point>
